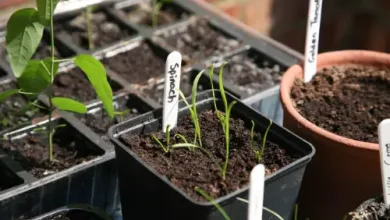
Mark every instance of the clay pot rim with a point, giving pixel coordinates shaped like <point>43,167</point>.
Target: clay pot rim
<point>334,58</point>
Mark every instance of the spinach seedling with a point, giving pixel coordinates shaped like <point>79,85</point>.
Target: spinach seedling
<point>259,153</point>
<point>88,24</point>
<point>122,114</point>
<point>23,35</point>
<point>156,7</point>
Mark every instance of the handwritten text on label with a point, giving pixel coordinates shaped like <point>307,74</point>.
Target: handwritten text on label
<point>172,82</point>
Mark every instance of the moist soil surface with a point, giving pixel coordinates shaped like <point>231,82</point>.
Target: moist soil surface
<point>373,209</point>
<point>139,65</point>
<point>99,121</point>
<point>104,30</point>
<point>198,40</point>
<point>74,84</point>
<point>348,100</point>
<point>250,74</point>
<point>31,152</point>
<point>15,110</point>
<point>142,14</point>
<point>73,215</point>
<point>189,169</point>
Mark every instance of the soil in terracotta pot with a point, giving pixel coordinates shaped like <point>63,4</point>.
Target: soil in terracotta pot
<point>199,40</point>
<point>16,110</point>
<point>74,84</point>
<point>349,101</point>
<point>105,31</point>
<point>73,215</point>
<point>142,14</point>
<point>250,73</point>
<point>31,151</point>
<point>98,120</point>
<point>139,65</point>
<point>189,169</point>
<point>374,209</point>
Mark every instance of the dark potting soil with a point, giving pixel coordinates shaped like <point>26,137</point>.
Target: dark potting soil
<point>104,30</point>
<point>16,110</point>
<point>73,215</point>
<point>373,209</point>
<point>349,100</point>
<point>31,151</point>
<point>189,169</point>
<point>142,14</point>
<point>199,40</point>
<point>75,84</point>
<point>99,121</point>
<point>139,65</point>
<point>250,74</point>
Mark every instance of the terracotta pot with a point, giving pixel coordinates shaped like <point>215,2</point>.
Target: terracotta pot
<point>343,172</point>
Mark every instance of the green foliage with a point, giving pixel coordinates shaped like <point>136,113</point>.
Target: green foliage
<point>156,7</point>
<point>259,154</point>
<point>208,198</point>
<point>165,149</point>
<point>97,75</point>
<point>6,94</point>
<point>45,10</point>
<point>36,76</point>
<point>267,209</point>
<point>122,114</point>
<point>69,105</point>
<point>23,35</point>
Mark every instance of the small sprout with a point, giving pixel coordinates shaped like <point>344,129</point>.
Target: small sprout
<point>166,150</point>
<point>208,198</point>
<point>156,7</point>
<point>259,154</point>
<point>266,209</point>
<point>122,114</point>
<point>167,136</point>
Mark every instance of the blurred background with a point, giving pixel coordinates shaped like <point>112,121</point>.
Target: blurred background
<point>346,24</point>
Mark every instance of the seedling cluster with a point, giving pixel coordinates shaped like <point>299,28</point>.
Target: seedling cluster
<point>23,35</point>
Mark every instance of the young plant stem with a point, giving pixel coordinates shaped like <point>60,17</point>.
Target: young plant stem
<point>264,141</point>
<point>50,133</point>
<point>155,11</point>
<point>208,198</point>
<point>88,12</point>
<point>227,138</point>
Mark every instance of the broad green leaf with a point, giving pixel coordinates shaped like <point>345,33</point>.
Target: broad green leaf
<point>44,10</point>
<point>24,33</point>
<point>35,77</point>
<point>97,75</point>
<point>6,94</point>
<point>69,105</point>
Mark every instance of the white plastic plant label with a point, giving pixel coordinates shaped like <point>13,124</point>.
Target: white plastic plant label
<point>384,149</point>
<point>172,86</point>
<point>256,193</point>
<point>312,39</point>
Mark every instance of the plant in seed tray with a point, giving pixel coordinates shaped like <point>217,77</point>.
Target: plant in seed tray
<point>23,35</point>
<point>156,7</point>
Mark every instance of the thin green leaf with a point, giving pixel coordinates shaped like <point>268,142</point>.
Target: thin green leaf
<point>35,78</point>
<point>165,149</point>
<point>181,137</point>
<point>264,208</point>
<point>44,10</point>
<point>265,140</point>
<point>24,33</point>
<point>6,94</point>
<point>97,75</point>
<point>221,88</point>
<point>227,138</point>
<point>69,105</point>
<point>208,198</point>
<point>194,107</point>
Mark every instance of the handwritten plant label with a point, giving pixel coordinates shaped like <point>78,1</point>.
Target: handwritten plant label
<point>312,38</point>
<point>384,150</point>
<point>172,86</point>
<point>256,193</point>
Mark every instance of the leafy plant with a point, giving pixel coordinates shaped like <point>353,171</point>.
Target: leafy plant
<point>23,34</point>
<point>156,7</point>
<point>122,114</point>
<point>259,153</point>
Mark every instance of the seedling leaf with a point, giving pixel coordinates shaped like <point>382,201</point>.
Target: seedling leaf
<point>35,77</point>
<point>69,105</point>
<point>44,10</point>
<point>208,198</point>
<point>97,75</point>
<point>6,94</point>
<point>265,209</point>
<point>24,33</point>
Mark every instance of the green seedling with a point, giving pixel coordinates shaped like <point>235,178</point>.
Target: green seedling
<point>122,114</point>
<point>210,199</point>
<point>259,153</point>
<point>167,136</point>
<point>23,35</point>
<point>88,23</point>
<point>156,7</point>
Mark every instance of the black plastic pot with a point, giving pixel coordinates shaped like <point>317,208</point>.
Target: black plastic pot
<point>76,212</point>
<point>145,194</point>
